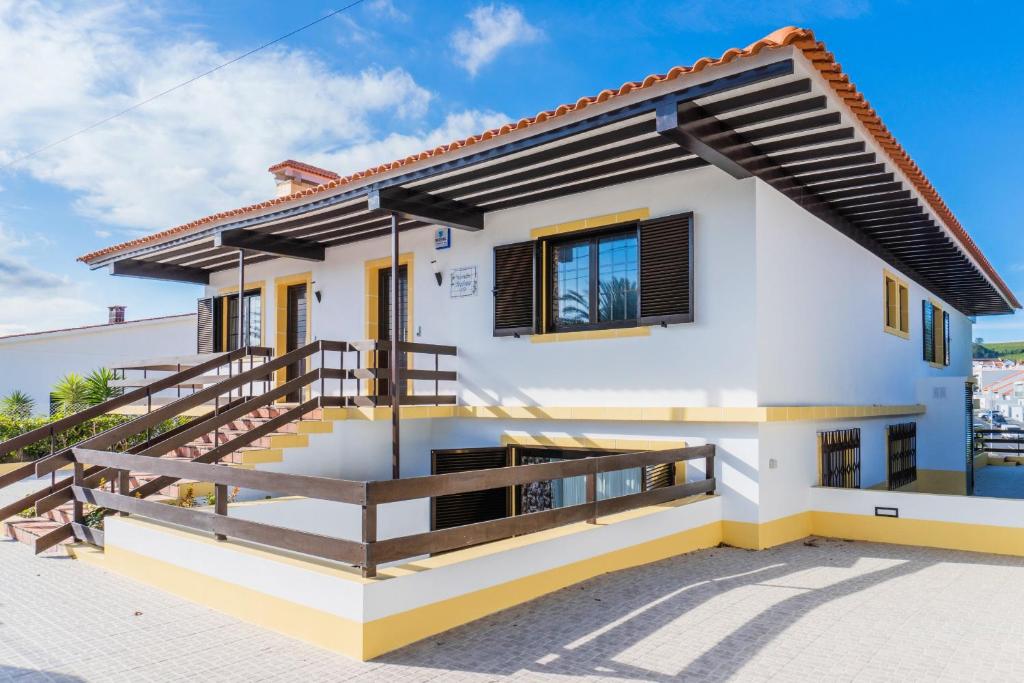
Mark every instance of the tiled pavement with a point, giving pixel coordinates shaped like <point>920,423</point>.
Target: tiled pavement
<point>823,611</point>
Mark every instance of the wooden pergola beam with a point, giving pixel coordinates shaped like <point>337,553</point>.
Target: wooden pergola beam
<point>265,243</point>
<point>159,271</point>
<point>425,207</point>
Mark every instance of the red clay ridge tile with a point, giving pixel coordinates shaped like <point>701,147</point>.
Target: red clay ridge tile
<point>801,39</point>
<point>304,168</point>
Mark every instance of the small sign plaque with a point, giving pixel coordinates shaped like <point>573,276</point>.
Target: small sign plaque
<point>463,281</point>
<point>442,238</point>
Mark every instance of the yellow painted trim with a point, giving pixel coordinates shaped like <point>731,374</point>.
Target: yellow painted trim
<point>982,538</point>
<point>281,286</point>
<point>754,536</point>
<point>289,441</point>
<point>601,443</point>
<point>374,638</point>
<point>712,414</point>
<point>233,289</point>
<point>592,222</point>
<point>582,224</point>
<point>371,271</point>
<point>618,333</point>
<point>325,630</point>
<point>902,292</point>
<point>395,631</point>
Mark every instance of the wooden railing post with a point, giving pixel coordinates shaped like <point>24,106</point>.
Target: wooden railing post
<point>709,469</point>
<point>220,505</point>
<point>592,490</point>
<point>369,538</point>
<point>77,506</point>
<point>124,486</point>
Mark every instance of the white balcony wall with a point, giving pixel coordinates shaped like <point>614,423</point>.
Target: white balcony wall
<point>710,362</point>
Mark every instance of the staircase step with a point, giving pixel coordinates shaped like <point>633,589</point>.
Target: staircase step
<point>27,529</point>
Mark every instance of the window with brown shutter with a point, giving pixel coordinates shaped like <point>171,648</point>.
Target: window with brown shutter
<point>473,506</point>
<point>936,333</point>
<point>624,275</point>
<point>204,326</point>
<point>514,293</point>
<point>666,270</point>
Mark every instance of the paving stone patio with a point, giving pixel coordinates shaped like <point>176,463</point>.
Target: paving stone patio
<point>826,610</point>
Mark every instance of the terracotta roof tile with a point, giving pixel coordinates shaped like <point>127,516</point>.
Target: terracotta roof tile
<point>305,168</point>
<point>802,39</point>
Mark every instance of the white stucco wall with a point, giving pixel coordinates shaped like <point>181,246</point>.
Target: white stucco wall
<point>708,362</point>
<point>33,363</point>
<point>820,309</point>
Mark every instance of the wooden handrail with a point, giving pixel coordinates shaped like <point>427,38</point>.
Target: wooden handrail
<point>370,552</point>
<point>65,423</point>
<point>113,435</point>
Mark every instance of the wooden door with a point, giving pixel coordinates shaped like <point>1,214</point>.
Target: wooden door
<point>295,334</point>
<point>384,318</point>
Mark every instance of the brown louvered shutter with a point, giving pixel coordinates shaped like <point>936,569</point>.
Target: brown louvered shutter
<point>945,337</point>
<point>473,506</point>
<point>666,270</point>
<point>204,326</point>
<point>514,293</point>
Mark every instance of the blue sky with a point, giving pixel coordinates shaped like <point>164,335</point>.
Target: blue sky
<point>390,78</point>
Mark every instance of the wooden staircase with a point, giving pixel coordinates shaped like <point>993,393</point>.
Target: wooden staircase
<point>26,529</point>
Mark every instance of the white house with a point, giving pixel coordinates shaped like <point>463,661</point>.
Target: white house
<point>735,254</point>
<point>33,362</point>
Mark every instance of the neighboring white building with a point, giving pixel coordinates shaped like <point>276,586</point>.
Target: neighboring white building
<point>734,254</point>
<point>33,362</point>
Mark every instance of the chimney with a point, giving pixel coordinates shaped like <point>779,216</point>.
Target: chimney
<point>116,315</point>
<point>295,176</point>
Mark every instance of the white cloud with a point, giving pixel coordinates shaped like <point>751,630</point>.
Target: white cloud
<point>493,28</point>
<point>399,145</point>
<point>201,149</point>
<point>103,234</point>
<point>33,297</point>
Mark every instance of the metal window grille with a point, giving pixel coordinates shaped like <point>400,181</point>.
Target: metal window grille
<point>969,429</point>
<point>840,458</point>
<point>902,451</point>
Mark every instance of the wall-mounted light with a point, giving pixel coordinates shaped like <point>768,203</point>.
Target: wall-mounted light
<point>437,272</point>
<point>319,296</point>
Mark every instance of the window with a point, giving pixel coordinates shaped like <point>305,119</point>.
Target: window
<point>839,458</point>
<point>625,275</point>
<point>897,306</point>
<point>901,440</point>
<point>253,318</point>
<point>594,282</point>
<point>936,328</point>
<point>217,322</point>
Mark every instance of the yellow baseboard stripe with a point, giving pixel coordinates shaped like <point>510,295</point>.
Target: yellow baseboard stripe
<point>325,630</point>
<point>374,638</point>
<point>393,632</point>
<point>982,538</point>
<point>753,536</point>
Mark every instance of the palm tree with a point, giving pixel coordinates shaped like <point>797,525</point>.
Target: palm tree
<point>18,405</point>
<point>617,301</point>
<point>98,386</point>
<point>70,394</point>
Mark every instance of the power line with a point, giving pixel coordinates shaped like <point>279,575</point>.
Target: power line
<point>180,85</point>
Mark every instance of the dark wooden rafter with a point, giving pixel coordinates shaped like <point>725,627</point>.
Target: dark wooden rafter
<point>766,122</point>
<point>159,271</point>
<point>266,243</point>
<point>425,207</point>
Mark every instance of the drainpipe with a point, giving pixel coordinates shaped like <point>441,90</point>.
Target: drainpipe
<point>393,376</point>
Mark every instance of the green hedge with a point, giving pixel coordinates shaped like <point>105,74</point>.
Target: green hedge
<point>11,427</point>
